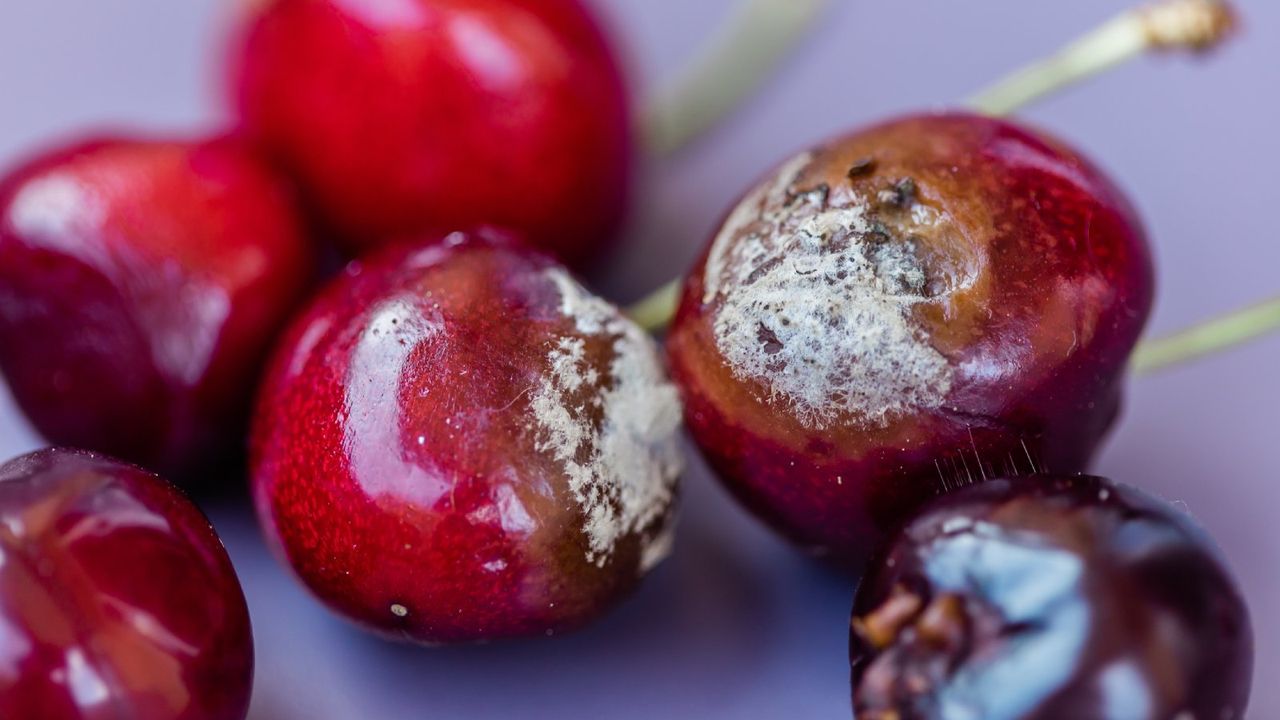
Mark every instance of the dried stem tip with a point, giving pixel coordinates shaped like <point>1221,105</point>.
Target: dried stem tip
<point>1192,24</point>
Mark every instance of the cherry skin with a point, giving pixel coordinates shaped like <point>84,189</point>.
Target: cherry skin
<point>936,299</point>
<point>117,600</point>
<point>456,442</point>
<point>141,285</point>
<point>403,117</point>
<point>1050,597</point>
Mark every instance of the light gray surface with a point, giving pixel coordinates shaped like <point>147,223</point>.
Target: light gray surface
<point>737,626</point>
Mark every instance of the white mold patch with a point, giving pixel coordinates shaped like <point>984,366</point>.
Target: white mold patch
<point>817,304</point>
<point>618,445</point>
<point>749,212</point>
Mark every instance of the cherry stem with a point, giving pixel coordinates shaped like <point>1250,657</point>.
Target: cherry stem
<point>734,64</point>
<point>655,312</point>
<point>1208,338</point>
<point>1191,25</point>
<point>1162,25</point>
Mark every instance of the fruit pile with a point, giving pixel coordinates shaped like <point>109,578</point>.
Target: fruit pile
<point>901,350</point>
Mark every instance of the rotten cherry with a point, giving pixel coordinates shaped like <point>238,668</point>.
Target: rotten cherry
<point>1047,597</point>
<point>937,298</point>
<point>457,442</point>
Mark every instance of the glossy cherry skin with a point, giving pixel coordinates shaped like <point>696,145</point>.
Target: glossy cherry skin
<point>933,300</point>
<point>402,117</point>
<point>117,600</point>
<point>1050,597</point>
<point>141,285</point>
<point>457,443</point>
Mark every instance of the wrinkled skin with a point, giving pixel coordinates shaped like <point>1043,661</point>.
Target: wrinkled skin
<point>1044,597</point>
<point>1027,280</point>
<point>405,117</point>
<point>141,285</point>
<point>398,462</point>
<point>117,600</point>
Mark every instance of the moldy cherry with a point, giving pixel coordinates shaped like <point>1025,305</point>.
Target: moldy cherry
<point>457,442</point>
<point>116,597</point>
<point>934,299</point>
<point>1046,597</point>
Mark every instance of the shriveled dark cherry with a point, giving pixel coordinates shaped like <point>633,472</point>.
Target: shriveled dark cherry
<point>117,600</point>
<point>408,116</point>
<point>456,442</point>
<point>141,285</point>
<point>937,299</point>
<point>1049,597</point>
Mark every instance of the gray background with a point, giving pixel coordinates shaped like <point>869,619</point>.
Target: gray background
<point>738,626</point>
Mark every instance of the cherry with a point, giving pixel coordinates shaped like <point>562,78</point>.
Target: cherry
<point>1050,597</point>
<point>408,116</point>
<point>938,297</point>
<point>141,283</point>
<point>116,597</point>
<point>456,442</point>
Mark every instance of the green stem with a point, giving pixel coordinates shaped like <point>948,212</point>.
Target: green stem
<point>1208,338</point>
<point>1195,25</point>
<point>733,65</point>
<point>655,311</point>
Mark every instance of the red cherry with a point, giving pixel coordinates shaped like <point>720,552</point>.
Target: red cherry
<point>407,116</point>
<point>141,283</point>
<point>457,442</point>
<point>116,597</point>
<point>928,302</point>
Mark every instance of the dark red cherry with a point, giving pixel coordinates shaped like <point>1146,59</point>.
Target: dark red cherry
<point>457,442</point>
<point>407,116</point>
<point>117,600</point>
<point>940,298</point>
<point>1043,598</point>
<point>141,284</point>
